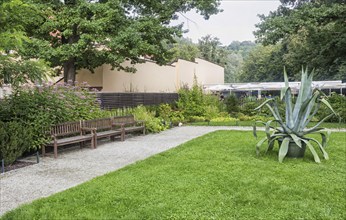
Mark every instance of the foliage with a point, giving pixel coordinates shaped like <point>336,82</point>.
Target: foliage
<point>232,103</point>
<point>15,139</point>
<point>310,33</point>
<point>169,115</point>
<point>42,107</point>
<point>211,50</point>
<point>152,124</point>
<point>339,105</point>
<point>211,177</point>
<point>87,34</point>
<point>224,119</point>
<point>294,127</point>
<point>191,102</point>
<point>263,64</point>
<point>184,49</point>
<point>16,18</point>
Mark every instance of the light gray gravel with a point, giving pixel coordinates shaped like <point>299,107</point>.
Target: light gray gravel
<point>75,167</point>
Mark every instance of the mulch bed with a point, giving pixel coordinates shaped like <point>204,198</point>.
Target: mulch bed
<point>17,165</point>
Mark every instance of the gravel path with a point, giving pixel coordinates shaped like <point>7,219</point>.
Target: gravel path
<point>75,167</point>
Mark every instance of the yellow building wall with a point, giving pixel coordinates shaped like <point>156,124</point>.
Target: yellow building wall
<point>93,79</point>
<point>209,73</point>
<point>151,77</point>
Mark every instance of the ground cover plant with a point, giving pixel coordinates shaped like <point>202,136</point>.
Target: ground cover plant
<point>216,176</point>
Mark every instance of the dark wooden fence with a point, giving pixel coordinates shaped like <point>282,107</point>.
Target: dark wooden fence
<point>120,100</point>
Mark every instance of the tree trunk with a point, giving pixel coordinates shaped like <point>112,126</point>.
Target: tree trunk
<point>69,65</point>
<point>70,71</point>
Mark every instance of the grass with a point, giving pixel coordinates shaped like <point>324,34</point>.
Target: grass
<point>250,123</point>
<point>217,176</point>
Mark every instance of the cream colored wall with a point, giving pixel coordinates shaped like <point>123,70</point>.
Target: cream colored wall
<point>209,73</point>
<point>185,71</point>
<point>93,79</point>
<point>149,77</point>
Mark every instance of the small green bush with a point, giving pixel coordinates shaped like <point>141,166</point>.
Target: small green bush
<point>152,124</point>
<point>232,104</point>
<point>38,108</point>
<point>191,101</point>
<point>224,119</point>
<point>15,139</point>
<point>338,102</point>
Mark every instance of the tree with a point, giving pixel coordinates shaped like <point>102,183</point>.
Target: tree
<point>211,50</point>
<point>15,19</point>
<point>311,33</point>
<point>263,64</point>
<point>78,34</point>
<point>184,49</point>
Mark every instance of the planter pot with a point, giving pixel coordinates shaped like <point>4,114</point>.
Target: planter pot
<point>294,151</point>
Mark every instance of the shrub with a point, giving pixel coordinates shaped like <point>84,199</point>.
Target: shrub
<point>224,119</point>
<point>339,105</point>
<point>42,107</point>
<point>191,101</point>
<point>152,124</point>
<point>15,139</point>
<point>232,104</point>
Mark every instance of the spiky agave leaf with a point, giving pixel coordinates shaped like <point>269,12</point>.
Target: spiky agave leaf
<point>311,148</point>
<point>286,93</point>
<point>259,144</point>
<point>325,154</point>
<point>283,149</point>
<point>305,92</point>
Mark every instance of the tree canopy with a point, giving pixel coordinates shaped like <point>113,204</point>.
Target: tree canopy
<point>311,33</point>
<point>16,18</point>
<point>78,34</point>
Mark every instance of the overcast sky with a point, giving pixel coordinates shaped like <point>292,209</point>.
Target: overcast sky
<point>236,22</point>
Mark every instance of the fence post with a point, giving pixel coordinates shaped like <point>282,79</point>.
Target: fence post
<point>37,157</point>
<point>2,166</point>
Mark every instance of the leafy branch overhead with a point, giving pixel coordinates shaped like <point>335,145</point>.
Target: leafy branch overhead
<point>86,34</point>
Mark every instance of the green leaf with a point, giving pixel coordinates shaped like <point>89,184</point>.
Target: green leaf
<point>283,149</point>
<point>296,140</point>
<point>259,144</point>
<point>314,153</point>
<point>264,103</point>
<point>325,154</point>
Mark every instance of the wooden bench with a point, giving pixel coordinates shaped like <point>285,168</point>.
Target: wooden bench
<point>69,133</point>
<point>129,124</point>
<point>104,128</point>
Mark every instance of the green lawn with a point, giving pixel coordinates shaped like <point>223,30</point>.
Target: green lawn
<point>217,176</point>
<point>250,123</point>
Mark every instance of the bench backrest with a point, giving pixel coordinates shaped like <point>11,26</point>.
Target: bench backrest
<point>99,124</point>
<point>65,129</point>
<point>124,119</point>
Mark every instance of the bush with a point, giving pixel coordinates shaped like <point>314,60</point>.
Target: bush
<point>152,124</point>
<point>15,139</point>
<point>232,104</point>
<point>224,119</point>
<point>338,102</point>
<point>191,101</point>
<point>41,107</point>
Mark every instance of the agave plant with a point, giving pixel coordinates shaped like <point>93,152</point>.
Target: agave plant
<point>293,130</point>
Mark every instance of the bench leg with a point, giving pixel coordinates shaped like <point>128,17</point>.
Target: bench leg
<point>43,151</point>
<point>112,138</point>
<point>55,150</point>
<point>122,137</point>
<point>144,131</point>
<point>94,142</point>
<point>81,144</point>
